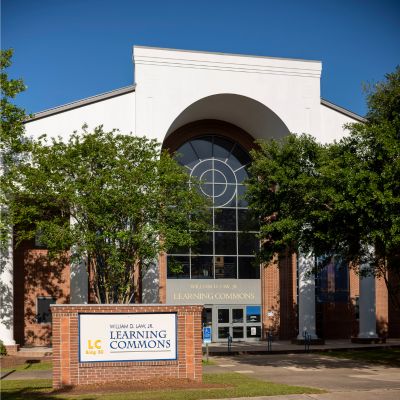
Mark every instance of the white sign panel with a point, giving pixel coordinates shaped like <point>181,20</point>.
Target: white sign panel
<point>127,337</point>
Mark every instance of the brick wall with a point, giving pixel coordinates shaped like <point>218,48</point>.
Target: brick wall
<point>382,307</point>
<point>35,276</point>
<point>393,312</point>
<point>271,314</point>
<point>354,286</point>
<point>335,320</point>
<point>68,371</point>
<point>288,296</point>
<point>279,297</point>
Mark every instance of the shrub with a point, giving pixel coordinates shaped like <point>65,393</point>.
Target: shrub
<point>3,350</point>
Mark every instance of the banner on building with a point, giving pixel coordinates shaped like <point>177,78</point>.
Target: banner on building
<point>127,337</point>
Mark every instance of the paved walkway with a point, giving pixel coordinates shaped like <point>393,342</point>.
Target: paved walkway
<point>26,374</point>
<point>286,347</point>
<point>344,379</point>
<point>359,395</point>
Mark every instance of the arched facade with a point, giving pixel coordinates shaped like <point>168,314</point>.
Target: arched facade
<point>241,297</point>
<point>221,272</point>
<point>248,114</point>
<point>227,101</point>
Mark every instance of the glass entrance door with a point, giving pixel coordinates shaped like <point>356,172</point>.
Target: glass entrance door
<point>240,322</point>
<point>237,327</point>
<point>224,323</point>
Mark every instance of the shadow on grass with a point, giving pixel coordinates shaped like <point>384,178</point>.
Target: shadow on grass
<point>232,385</point>
<point>28,366</point>
<point>385,357</point>
<point>364,359</point>
<point>33,389</point>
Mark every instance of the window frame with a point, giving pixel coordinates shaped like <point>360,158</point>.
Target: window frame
<point>37,309</point>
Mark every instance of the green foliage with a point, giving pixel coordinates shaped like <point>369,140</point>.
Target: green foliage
<point>12,141</point>
<point>384,99</point>
<point>116,200</point>
<point>342,198</point>
<point>284,191</point>
<point>13,146</point>
<point>3,350</point>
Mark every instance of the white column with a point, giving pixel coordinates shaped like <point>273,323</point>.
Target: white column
<point>367,309</point>
<point>151,283</point>
<point>306,263</point>
<point>78,282</point>
<point>79,278</point>
<point>7,293</point>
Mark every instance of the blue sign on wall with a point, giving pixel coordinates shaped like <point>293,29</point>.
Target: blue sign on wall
<point>207,334</point>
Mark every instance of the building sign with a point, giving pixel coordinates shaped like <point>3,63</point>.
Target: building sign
<point>127,337</point>
<point>214,291</point>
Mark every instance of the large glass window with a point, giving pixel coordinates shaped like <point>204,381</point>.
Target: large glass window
<point>43,314</point>
<point>228,250</point>
<point>332,280</point>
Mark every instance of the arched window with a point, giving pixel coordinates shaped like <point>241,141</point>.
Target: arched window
<point>228,250</point>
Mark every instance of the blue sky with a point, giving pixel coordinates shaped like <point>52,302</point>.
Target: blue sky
<point>66,50</point>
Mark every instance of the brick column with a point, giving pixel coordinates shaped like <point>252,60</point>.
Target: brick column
<point>382,307</point>
<point>65,351</point>
<point>270,298</point>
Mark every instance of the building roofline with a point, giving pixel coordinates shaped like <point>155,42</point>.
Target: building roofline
<point>131,88</point>
<point>81,103</point>
<point>342,110</point>
<point>225,54</point>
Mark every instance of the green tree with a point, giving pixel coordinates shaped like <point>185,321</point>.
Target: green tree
<point>116,200</point>
<point>368,172</point>
<point>12,132</point>
<point>338,199</point>
<point>13,145</point>
<point>383,100</point>
<point>284,192</point>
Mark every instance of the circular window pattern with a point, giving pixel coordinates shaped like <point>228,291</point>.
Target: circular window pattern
<point>227,252</point>
<point>220,166</point>
<point>218,181</point>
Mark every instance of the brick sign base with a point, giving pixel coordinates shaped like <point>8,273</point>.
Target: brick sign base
<point>68,371</point>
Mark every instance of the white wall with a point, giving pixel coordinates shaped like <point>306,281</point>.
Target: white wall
<point>117,112</point>
<point>248,114</point>
<point>169,81</point>
<point>264,96</point>
<point>332,124</point>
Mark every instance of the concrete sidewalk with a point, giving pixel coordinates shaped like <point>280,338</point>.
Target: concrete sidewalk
<point>344,379</point>
<point>286,347</point>
<point>358,395</point>
<point>22,375</point>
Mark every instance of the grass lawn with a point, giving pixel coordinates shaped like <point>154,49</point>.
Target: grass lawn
<point>37,366</point>
<point>390,357</point>
<point>239,386</point>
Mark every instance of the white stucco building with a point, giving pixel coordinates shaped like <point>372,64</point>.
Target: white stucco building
<point>216,103</point>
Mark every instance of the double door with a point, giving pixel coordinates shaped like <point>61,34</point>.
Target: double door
<point>242,323</point>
